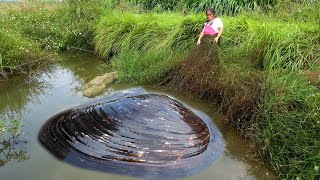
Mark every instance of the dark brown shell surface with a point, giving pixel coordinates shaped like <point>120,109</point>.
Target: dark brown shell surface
<point>134,134</point>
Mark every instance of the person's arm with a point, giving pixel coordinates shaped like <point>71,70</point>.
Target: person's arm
<point>200,37</point>
<point>219,34</point>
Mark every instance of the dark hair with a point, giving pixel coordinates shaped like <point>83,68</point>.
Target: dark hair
<point>211,10</point>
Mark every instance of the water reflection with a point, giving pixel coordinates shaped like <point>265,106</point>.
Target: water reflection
<point>12,142</point>
<point>18,91</point>
<point>16,94</point>
<point>82,66</point>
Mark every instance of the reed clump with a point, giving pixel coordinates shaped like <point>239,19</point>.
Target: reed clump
<point>143,68</point>
<point>289,127</point>
<point>119,31</point>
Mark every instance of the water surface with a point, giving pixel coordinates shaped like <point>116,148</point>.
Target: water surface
<point>58,88</point>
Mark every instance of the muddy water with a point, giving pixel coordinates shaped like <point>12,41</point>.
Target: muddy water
<point>45,93</point>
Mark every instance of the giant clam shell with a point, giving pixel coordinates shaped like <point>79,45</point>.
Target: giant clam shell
<point>134,133</point>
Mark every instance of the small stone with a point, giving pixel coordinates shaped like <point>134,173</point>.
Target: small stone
<point>98,85</point>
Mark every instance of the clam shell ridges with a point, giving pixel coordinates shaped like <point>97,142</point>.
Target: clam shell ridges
<point>145,135</point>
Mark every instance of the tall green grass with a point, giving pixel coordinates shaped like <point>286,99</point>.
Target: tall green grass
<point>289,126</point>
<point>225,7</point>
<point>290,46</point>
<point>146,67</point>
<point>296,11</point>
<point>121,31</point>
<point>143,47</point>
<point>270,45</point>
<point>22,36</point>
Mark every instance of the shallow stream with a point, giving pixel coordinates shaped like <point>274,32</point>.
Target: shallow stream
<point>51,90</point>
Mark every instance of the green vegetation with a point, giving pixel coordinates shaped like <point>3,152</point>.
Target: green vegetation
<point>146,67</point>
<point>290,126</point>
<point>256,50</point>
<point>122,31</point>
<point>14,127</point>
<point>226,7</point>
<point>17,52</point>
<point>12,145</point>
<point>273,45</point>
<point>144,47</point>
<point>29,29</point>
<point>259,76</point>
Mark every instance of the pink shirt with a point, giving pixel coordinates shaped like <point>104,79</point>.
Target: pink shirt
<point>212,27</point>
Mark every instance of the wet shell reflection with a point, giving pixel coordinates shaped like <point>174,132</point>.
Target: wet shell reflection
<point>137,134</point>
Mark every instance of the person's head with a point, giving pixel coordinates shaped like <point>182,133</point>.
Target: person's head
<point>211,14</point>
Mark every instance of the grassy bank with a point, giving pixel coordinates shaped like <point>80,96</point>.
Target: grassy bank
<point>289,126</point>
<point>144,47</point>
<point>17,53</point>
<point>32,31</point>
<point>256,50</point>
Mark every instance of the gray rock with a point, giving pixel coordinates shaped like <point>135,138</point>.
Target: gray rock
<point>98,85</point>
